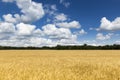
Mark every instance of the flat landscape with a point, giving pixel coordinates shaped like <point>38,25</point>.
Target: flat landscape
<point>59,65</point>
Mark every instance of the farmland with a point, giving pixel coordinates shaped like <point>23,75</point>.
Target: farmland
<point>59,65</point>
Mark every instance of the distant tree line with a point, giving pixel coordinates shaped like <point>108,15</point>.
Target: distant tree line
<point>59,47</point>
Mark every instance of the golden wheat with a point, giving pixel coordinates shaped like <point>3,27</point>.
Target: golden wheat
<point>59,65</point>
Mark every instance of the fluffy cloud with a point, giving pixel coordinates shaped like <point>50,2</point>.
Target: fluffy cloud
<point>37,32</point>
<point>26,35</point>
<point>31,41</point>
<point>100,36</point>
<point>9,18</point>
<point>25,29</point>
<point>61,17</point>
<point>40,42</point>
<point>71,41</point>
<point>31,10</point>
<point>6,27</point>
<point>34,11</point>
<point>6,30</point>
<point>82,32</point>
<point>108,25</point>
<point>56,33</point>
<point>17,29</point>
<point>73,24</point>
<point>53,16</point>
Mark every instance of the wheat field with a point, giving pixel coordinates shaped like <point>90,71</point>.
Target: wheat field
<point>59,65</point>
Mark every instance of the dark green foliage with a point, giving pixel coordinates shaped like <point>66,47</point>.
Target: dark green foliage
<point>59,47</point>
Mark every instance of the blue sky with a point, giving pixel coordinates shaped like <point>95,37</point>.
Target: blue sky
<point>59,22</point>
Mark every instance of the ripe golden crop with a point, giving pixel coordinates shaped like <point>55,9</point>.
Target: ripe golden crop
<point>59,65</point>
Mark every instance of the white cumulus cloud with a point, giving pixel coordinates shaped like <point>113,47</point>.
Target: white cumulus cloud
<point>31,11</point>
<point>59,33</point>
<point>100,36</point>
<point>82,32</point>
<point>25,29</point>
<point>18,30</point>
<point>61,17</point>
<point>110,25</point>
<point>73,24</point>
<point>6,27</point>
<point>9,18</point>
